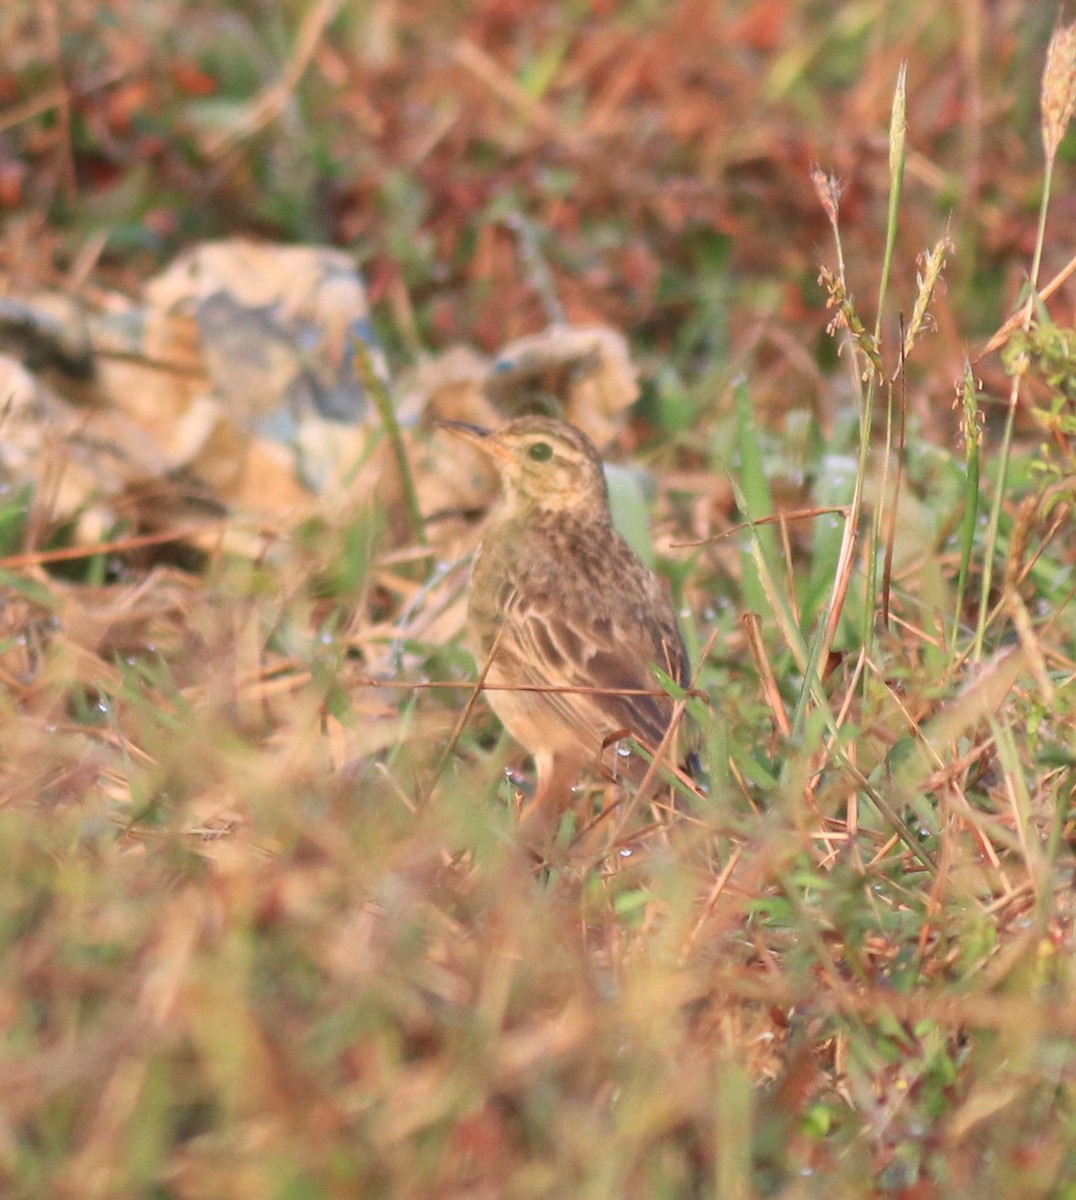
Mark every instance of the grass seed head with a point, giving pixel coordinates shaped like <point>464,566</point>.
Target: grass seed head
<point>931,265</point>
<point>828,188</point>
<point>1058,97</point>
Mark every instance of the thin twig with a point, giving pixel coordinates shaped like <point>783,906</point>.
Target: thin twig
<point>475,60</point>
<point>43,102</point>
<point>770,691</point>
<point>73,553</point>
<point>387,411</point>
<point>1016,320</point>
<point>663,748</point>
<point>793,514</point>
<point>52,26</point>
<point>889,525</point>
<point>424,794</point>
<point>270,102</point>
<point>560,690</point>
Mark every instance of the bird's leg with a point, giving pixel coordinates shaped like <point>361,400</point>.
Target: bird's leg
<point>557,775</point>
<point>592,842</point>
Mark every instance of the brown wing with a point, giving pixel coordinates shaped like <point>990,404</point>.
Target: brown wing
<point>609,646</point>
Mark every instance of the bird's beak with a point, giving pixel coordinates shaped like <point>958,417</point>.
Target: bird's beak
<point>484,439</point>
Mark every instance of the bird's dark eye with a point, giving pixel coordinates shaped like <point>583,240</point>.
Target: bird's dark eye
<point>541,451</point>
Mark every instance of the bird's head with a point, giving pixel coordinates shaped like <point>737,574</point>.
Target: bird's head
<point>545,465</point>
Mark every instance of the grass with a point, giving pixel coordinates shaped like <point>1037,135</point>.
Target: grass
<point>262,938</point>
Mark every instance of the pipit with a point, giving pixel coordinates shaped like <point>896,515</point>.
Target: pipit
<point>558,600</point>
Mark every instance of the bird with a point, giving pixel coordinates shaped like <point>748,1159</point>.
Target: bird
<point>557,599</point>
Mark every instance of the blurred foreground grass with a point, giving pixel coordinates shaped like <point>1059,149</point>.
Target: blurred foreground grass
<point>230,970</point>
